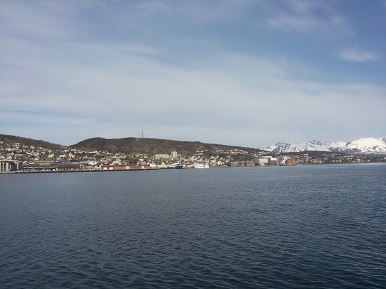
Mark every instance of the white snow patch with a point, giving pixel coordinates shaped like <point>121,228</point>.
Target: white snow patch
<point>360,146</point>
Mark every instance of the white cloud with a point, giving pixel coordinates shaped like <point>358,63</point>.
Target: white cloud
<point>43,20</point>
<point>114,91</point>
<point>68,88</point>
<point>308,16</point>
<point>287,22</point>
<point>152,15</point>
<point>357,55</point>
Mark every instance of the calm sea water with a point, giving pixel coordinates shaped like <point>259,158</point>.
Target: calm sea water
<point>274,227</point>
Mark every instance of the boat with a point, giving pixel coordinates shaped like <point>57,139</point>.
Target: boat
<point>170,166</point>
<point>201,165</point>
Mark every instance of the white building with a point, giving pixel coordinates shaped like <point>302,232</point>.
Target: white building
<point>161,156</point>
<point>8,166</point>
<point>267,160</point>
<point>174,155</point>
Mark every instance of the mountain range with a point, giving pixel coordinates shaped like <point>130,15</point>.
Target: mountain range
<point>362,146</point>
<point>130,145</point>
<point>368,146</point>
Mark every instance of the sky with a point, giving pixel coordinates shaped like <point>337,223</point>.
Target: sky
<point>235,72</point>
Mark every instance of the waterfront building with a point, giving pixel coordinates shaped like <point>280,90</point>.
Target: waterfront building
<point>7,166</point>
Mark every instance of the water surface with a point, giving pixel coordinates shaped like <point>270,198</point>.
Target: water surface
<point>263,227</point>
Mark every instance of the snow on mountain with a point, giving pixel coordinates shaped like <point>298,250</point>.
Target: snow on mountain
<point>283,147</point>
<point>367,145</point>
<point>360,146</point>
<point>314,145</point>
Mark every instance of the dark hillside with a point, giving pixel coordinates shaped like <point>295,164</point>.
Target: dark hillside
<point>9,139</point>
<point>151,146</point>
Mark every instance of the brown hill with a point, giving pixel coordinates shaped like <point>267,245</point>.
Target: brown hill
<point>151,146</point>
<point>9,139</point>
<point>129,145</point>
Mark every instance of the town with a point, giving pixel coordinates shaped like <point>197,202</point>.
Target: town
<point>17,157</point>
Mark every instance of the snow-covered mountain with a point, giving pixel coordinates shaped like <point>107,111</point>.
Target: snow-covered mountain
<point>360,146</point>
<point>367,146</point>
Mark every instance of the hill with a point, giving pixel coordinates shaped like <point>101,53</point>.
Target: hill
<point>9,139</point>
<point>152,146</point>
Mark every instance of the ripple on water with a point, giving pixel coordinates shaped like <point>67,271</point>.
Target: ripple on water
<point>302,227</point>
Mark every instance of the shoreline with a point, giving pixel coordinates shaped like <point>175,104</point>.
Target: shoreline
<point>157,169</point>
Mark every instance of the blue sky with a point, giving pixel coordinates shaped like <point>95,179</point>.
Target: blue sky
<point>238,72</point>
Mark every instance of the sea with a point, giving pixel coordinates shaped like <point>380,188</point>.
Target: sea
<point>321,226</point>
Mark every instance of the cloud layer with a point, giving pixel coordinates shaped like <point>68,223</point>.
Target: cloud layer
<point>358,56</point>
<point>234,72</point>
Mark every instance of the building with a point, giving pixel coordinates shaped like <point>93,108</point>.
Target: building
<point>125,167</point>
<point>290,162</point>
<point>267,160</point>
<point>161,156</point>
<point>9,166</point>
<point>174,155</point>
<point>50,167</point>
